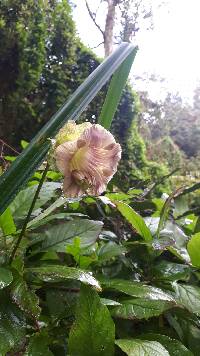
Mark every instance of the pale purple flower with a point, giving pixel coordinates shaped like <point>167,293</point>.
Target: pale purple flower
<point>88,162</point>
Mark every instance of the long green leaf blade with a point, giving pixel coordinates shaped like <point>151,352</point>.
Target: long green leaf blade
<point>135,220</point>
<point>25,165</point>
<point>115,90</point>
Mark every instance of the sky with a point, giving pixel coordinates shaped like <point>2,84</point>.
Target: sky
<point>171,50</point>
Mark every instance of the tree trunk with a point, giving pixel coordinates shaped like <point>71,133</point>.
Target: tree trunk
<point>109,27</point>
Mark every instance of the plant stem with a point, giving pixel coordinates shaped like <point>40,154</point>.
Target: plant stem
<point>29,213</point>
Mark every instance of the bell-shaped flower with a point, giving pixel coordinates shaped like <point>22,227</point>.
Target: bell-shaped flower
<point>88,161</point>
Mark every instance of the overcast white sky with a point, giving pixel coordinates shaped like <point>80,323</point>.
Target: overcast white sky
<point>171,50</point>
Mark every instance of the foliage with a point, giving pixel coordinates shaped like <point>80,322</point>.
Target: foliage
<point>173,127</point>
<point>134,166</point>
<point>115,281</point>
<point>22,60</point>
<point>170,128</point>
<point>110,275</point>
<point>38,54</point>
<point>54,69</point>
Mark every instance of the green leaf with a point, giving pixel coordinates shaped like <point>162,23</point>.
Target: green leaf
<point>184,323</point>
<point>193,248</point>
<point>57,204</point>
<point>118,196</point>
<point>60,216</point>
<point>10,158</point>
<point>7,223</point>
<point>93,332</point>
<point>171,237</point>
<point>24,297</point>
<point>12,330</point>
<point>188,296</point>
<point>115,91</point>
<point>76,251</point>
<point>140,308</point>
<point>109,250</point>
<point>24,143</point>
<point>197,225</point>
<point>6,277</point>
<point>58,237</point>
<point>110,302</point>
<point>165,212</point>
<point>65,303</point>
<point>180,206</point>
<point>136,347</point>
<point>38,346</point>
<point>171,271</point>
<point>135,220</point>
<point>61,273</point>
<point>173,346</point>
<point>191,189</point>
<point>33,155</point>
<point>20,206</point>
<point>137,289</point>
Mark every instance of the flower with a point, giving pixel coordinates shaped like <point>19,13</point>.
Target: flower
<point>88,159</point>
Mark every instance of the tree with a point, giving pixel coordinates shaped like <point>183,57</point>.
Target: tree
<point>46,66</point>
<point>22,50</point>
<point>108,31</point>
<point>171,128</point>
<point>122,21</point>
<point>37,52</point>
<point>135,14</point>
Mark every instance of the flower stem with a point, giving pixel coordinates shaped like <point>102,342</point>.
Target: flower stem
<point>29,213</point>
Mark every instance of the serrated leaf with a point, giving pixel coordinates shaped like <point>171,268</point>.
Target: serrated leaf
<point>110,302</point>
<point>140,308</point>
<point>193,248</point>
<point>57,237</point>
<point>93,332</point>
<point>171,271</point>
<point>173,346</point>
<point>137,289</point>
<point>188,296</point>
<point>6,277</point>
<point>135,220</point>
<point>38,346</point>
<point>21,204</point>
<point>136,347</point>
<point>7,223</point>
<point>61,273</point>
<point>25,298</point>
<point>186,326</point>
<point>12,325</point>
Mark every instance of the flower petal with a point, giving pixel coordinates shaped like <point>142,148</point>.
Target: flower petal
<point>64,154</point>
<point>97,136</point>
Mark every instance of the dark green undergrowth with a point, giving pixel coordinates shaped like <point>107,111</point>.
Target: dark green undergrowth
<point>113,275</point>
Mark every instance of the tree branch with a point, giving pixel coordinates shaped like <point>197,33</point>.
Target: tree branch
<point>97,45</point>
<point>93,17</point>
